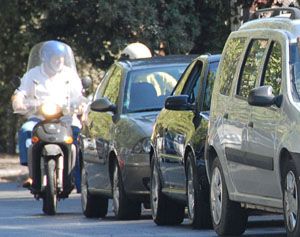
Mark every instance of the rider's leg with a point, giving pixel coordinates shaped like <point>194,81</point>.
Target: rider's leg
<point>29,160</point>
<point>25,134</point>
<point>24,139</point>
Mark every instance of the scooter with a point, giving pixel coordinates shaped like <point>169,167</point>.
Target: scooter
<point>52,152</point>
<point>53,158</point>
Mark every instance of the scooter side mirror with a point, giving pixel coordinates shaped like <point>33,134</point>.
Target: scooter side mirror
<point>86,82</point>
<point>15,82</point>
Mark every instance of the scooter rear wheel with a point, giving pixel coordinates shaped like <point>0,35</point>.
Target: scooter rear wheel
<point>50,199</point>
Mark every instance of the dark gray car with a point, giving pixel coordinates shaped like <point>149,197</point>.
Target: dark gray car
<point>115,142</point>
<point>178,177</point>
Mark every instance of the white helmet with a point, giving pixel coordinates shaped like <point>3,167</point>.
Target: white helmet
<point>136,50</point>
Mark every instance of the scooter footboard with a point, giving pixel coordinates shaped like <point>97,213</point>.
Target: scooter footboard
<point>52,150</point>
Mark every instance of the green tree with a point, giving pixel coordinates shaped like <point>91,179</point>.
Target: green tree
<point>17,21</point>
<point>214,25</point>
<point>98,30</point>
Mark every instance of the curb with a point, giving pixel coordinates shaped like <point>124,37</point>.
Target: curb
<point>12,174</point>
<point>11,170</point>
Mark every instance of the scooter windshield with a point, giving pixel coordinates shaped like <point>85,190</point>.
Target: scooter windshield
<point>45,52</point>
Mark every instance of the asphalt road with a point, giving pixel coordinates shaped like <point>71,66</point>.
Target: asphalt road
<point>21,215</point>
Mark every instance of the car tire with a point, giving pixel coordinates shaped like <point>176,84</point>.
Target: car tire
<point>123,208</point>
<point>291,205</point>
<point>165,211</point>
<point>93,206</point>
<point>228,217</point>
<point>197,197</point>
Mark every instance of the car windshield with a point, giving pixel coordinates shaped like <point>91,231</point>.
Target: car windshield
<point>147,89</point>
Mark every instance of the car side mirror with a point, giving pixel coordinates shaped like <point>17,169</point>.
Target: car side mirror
<point>179,102</point>
<point>103,105</point>
<point>263,96</point>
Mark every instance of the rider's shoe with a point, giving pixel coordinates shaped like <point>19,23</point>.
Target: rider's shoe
<point>27,183</point>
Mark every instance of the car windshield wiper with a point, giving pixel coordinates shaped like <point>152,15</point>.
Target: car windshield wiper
<point>145,110</point>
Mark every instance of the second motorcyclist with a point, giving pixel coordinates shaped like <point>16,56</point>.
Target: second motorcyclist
<point>51,75</point>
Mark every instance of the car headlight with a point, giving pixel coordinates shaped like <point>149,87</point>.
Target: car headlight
<point>143,146</point>
<point>51,111</point>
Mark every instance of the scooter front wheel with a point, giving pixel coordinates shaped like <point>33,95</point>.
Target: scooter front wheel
<point>50,199</point>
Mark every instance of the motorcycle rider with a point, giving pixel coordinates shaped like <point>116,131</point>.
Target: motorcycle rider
<point>53,79</point>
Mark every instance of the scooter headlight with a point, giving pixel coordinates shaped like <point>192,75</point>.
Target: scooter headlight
<point>51,111</point>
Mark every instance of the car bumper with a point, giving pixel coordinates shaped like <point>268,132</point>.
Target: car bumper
<point>136,176</point>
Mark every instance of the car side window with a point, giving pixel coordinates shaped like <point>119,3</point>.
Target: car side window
<point>113,86</point>
<point>191,87</point>
<point>272,74</point>
<point>103,83</point>
<point>209,85</point>
<point>233,51</point>
<point>179,87</point>
<point>252,66</point>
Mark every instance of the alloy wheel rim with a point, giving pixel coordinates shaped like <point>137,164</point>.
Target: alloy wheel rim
<point>154,192</point>
<point>216,195</point>
<point>291,201</point>
<point>191,194</point>
<point>116,191</point>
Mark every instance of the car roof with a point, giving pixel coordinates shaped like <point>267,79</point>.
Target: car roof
<point>132,64</point>
<point>286,22</point>
<point>212,57</point>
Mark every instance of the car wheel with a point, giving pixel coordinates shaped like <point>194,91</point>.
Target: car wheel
<point>228,217</point>
<point>291,199</point>
<point>92,205</point>
<point>165,211</point>
<point>123,208</point>
<point>197,197</point>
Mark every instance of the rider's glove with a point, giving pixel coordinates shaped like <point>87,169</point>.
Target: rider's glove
<point>18,103</point>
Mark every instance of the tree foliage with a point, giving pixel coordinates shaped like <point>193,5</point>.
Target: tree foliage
<point>98,30</point>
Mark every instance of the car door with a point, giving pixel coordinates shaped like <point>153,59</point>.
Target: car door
<point>262,130</point>
<point>100,128</point>
<point>163,145</point>
<point>179,130</point>
<point>88,138</point>
<point>202,117</point>
<point>240,111</point>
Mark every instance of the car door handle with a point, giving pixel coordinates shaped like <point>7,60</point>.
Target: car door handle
<point>250,124</point>
<point>225,116</point>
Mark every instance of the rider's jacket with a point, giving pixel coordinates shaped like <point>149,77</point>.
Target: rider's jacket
<point>64,88</point>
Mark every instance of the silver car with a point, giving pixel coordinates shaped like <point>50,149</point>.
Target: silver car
<point>252,151</point>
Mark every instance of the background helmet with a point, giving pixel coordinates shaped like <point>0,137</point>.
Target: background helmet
<point>136,50</point>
